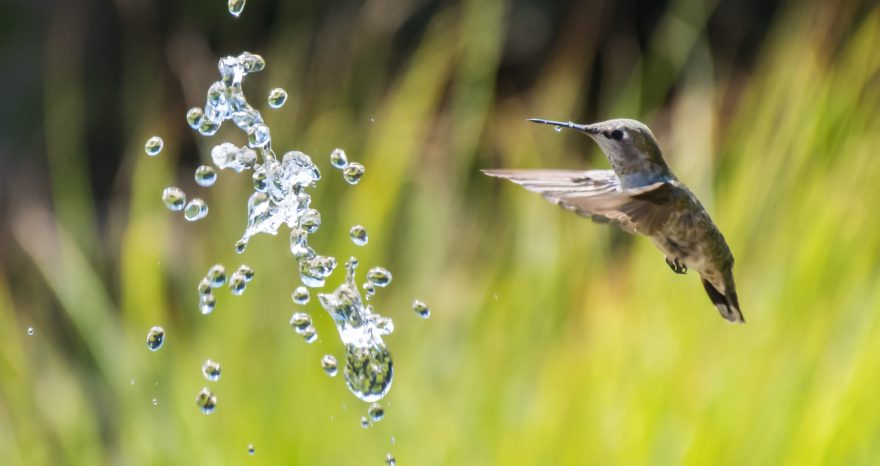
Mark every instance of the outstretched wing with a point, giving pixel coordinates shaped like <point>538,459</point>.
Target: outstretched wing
<point>597,194</point>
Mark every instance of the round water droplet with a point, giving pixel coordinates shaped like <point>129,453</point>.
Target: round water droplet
<point>558,129</point>
<point>390,460</point>
<point>204,286</point>
<point>329,364</point>
<point>153,146</point>
<point>237,283</point>
<point>240,246</point>
<point>376,412</point>
<point>353,172</point>
<point>300,295</point>
<point>358,235</point>
<point>155,338</point>
<point>338,159</point>
<point>258,136</point>
<point>421,309</point>
<point>310,334</point>
<point>368,371</point>
<point>379,276</point>
<point>216,275</point>
<point>208,127</point>
<point>31,331</point>
<point>205,175</point>
<point>277,97</point>
<point>194,117</point>
<point>246,271</point>
<point>236,7</point>
<point>174,198</point>
<point>365,423</point>
<point>195,209</point>
<point>300,321</point>
<point>207,303</point>
<point>211,370</point>
<point>369,289</point>
<point>251,449</point>
<point>206,401</point>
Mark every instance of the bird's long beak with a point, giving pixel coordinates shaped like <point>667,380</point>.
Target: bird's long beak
<point>588,129</point>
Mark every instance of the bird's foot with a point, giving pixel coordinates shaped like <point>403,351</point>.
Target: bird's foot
<point>676,266</point>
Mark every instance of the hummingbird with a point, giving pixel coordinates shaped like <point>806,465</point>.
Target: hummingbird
<point>640,195</point>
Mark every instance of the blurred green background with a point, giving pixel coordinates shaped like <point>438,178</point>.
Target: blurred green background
<point>551,340</point>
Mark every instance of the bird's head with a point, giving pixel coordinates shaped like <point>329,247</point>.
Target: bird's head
<point>629,145</point>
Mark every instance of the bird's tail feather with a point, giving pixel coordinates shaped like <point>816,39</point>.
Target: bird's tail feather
<point>727,303</point>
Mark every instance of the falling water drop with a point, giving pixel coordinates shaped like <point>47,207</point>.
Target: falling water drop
<point>246,271</point>
<point>390,460</point>
<point>237,283</point>
<point>211,370</point>
<point>329,364</point>
<point>353,172</point>
<point>379,276</point>
<point>155,338</point>
<point>174,198</point>
<point>300,321</point>
<point>365,423</point>
<point>207,303</point>
<point>206,400</point>
<point>195,209</point>
<point>557,128</point>
<point>205,175</point>
<point>31,331</point>
<point>236,7</point>
<point>338,159</point>
<point>358,235</point>
<point>277,97</point>
<point>216,275</point>
<point>376,412</point>
<point>251,449</point>
<point>300,295</point>
<point>421,309</point>
<point>153,146</point>
<point>310,334</point>
<point>194,117</point>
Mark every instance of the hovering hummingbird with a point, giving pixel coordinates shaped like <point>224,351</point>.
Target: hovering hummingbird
<point>641,195</point>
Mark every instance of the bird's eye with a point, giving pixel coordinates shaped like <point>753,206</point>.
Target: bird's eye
<point>617,134</point>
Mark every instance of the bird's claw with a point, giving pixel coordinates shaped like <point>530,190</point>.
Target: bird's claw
<point>676,266</point>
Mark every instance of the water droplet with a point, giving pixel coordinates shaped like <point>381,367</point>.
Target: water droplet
<point>300,321</point>
<point>205,175</point>
<point>207,303</point>
<point>379,276</point>
<point>236,7</point>
<point>358,235</point>
<point>376,412</point>
<point>365,423</point>
<point>204,286</point>
<point>353,172</point>
<point>208,127</point>
<point>393,441</point>
<point>310,220</point>
<point>329,364</point>
<point>237,283</point>
<point>194,117</point>
<point>558,129</point>
<point>195,209</point>
<point>246,271</point>
<point>251,450</point>
<point>258,136</point>
<point>277,97</point>
<point>338,159</point>
<point>240,246</point>
<point>211,370</point>
<point>155,402</point>
<point>206,400</point>
<point>421,309</point>
<point>174,198</point>
<point>300,295</point>
<point>155,338</point>
<point>369,289</point>
<point>31,331</point>
<point>153,146</point>
<point>216,275</point>
<point>251,62</point>
<point>310,334</point>
<point>390,460</point>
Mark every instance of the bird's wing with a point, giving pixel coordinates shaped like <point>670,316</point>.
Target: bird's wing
<point>597,194</point>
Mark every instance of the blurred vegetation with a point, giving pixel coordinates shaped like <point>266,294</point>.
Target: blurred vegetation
<point>551,341</point>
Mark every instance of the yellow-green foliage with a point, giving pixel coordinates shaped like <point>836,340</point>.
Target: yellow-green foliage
<point>551,341</point>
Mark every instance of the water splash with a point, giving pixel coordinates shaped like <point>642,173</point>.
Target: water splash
<point>368,366</point>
